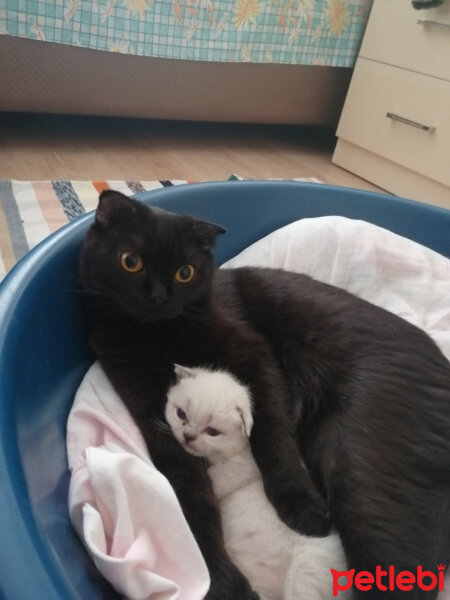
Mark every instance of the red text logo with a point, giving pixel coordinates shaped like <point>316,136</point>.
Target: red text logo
<point>388,580</point>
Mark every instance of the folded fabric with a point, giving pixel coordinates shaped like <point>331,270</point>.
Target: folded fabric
<point>375,264</point>
<point>123,509</point>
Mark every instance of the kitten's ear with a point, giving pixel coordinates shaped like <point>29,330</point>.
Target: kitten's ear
<point>205,233</point>
<point>182,372</point>
<point>245,413</point>
<point>109,202</point>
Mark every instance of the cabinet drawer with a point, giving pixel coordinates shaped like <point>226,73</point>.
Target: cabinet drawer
<point>377,90</point>
<point>395,36</point>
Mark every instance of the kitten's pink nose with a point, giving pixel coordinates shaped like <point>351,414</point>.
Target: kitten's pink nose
<point>188,437</point>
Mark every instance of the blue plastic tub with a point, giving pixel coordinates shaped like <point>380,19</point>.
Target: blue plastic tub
<point>43,357</point>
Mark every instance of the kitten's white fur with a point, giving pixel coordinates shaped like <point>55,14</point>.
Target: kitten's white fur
<point>279,563</point>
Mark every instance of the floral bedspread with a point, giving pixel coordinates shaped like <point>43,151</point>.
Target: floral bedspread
<point>308,32</point>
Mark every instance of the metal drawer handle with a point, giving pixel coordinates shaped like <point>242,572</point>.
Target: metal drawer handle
<point>406,121</point>
<point>429,23</point>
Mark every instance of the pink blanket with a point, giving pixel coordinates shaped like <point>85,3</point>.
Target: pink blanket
<point>123,509</point>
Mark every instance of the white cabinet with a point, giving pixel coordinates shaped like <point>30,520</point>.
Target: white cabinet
<point>395,126</point>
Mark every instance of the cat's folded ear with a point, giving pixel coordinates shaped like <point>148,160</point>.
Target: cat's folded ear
<point>205,233</point>
<point>110,203</point>
<point>182,372</point>
<point>245,412</point>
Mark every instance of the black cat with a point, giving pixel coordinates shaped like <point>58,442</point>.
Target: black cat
<point>367,394</point>
<point>147,277</point>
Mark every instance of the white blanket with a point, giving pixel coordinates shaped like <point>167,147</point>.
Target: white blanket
<point>123,509</point>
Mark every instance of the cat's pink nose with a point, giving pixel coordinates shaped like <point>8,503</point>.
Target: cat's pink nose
<point>188,437</point>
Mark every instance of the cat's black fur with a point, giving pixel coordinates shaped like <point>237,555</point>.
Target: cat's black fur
<point>367,394</point>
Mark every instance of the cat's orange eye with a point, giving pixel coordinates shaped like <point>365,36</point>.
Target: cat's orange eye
<point>131,262</point>
<point>185,274</point>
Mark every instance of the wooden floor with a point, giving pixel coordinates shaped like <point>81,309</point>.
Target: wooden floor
<point>43,147</point>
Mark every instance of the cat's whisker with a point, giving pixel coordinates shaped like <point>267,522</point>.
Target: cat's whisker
<point>101,294</point>
<point>162,426</point>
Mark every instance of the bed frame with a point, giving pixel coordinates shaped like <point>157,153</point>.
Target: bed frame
<point>58,78</point>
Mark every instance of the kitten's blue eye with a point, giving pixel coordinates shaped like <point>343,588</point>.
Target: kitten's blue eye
<point>212,432</point>
<point>181,414</point>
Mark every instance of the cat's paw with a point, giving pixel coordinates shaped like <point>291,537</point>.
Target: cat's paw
<point>220,593</point>
<point>312,521</point>
<point>305,515</point>
<point>230,584</point>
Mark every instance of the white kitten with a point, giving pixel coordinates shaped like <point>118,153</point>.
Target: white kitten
<point>210,415</point>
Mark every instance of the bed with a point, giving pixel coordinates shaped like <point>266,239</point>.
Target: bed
<point>282,61</point>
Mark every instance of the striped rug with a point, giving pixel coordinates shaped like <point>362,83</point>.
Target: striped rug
<point>32,210</point>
